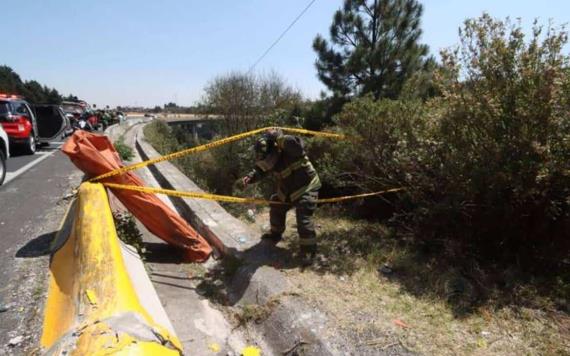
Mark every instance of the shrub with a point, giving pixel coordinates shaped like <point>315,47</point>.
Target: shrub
<point>217,170</point>
<point>124,151</point>
<point>505,128</point>
<point>160,136</point>
<point>486,163</point>
<point>128,231</point>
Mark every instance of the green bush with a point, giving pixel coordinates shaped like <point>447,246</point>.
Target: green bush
<point>486,163</point>
<point>128,231</point>
<point>505,128</point>
<point>386,145</point>
<point>161,137</point>
<point>124,151</point>
<point>217,170</point>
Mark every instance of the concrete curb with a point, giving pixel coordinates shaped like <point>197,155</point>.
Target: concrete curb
<point>198,321</point>
<point>207,217</point>
<point>291,321</point>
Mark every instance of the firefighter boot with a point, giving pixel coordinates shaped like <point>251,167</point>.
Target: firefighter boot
<point>308,254</point>
<point>272,236</point>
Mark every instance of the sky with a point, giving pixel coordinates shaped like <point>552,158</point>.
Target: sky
<point>146,53</point>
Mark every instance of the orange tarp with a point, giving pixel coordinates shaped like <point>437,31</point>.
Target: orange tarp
<point>95,155</point>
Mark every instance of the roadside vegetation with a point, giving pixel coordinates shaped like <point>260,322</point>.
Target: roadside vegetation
<point>127,230</point>
<point>125,151</point>
<point>473,256</point>
<point>391,291</point>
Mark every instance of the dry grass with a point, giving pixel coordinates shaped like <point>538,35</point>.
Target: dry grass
<point>444,309</point>
<point>255,312</point>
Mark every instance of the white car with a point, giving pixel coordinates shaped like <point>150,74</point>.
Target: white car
<point>4,153</point>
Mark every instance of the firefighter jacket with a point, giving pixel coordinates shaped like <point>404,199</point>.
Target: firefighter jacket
<point>293,173</point>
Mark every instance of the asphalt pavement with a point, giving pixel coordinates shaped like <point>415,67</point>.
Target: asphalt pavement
<point>18,163</point>
<point>32,205</point>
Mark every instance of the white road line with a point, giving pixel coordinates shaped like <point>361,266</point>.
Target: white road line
<point>13,175</point>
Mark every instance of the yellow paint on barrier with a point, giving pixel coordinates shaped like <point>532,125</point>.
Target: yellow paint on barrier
<point>91,296</point>
<point>89,287</point>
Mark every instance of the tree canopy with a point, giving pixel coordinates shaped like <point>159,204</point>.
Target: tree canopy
<point>11,83</point>
<point>374,48</point>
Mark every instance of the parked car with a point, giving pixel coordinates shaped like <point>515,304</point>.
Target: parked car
<point>73,108</point>
<point>4,153</point>
<point>81,109</point>
<point>25,128</point>
<point>51,117</point>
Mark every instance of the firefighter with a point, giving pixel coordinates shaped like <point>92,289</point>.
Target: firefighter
<point>297,185</point>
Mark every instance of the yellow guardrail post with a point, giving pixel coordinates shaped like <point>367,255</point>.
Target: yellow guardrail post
<point>92,307</point>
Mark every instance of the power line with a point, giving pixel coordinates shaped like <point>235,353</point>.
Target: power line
<point>281,36</point>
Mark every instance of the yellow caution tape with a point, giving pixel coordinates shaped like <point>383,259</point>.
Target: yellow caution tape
<point>357,196</point>
<point>230,199</point>
<point>197,195</point>
<point>310,132</point>
<point>225,198</point>
<point>211,145</point>
<point>91,296</point>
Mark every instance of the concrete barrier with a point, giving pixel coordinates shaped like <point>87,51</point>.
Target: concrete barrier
<point>255,282</point>
<point>223,231</point>
<point>92,307</point>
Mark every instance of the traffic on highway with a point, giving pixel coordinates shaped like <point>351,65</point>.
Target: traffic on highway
<point>31,133</point>
<point>35,178</point>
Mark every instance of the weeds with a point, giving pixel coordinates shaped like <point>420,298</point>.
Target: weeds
<point>124,151</point>
<point>256,313</point>
<point>128,231</point>
<point>452,306</point>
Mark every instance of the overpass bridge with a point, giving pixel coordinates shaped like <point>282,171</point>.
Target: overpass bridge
<point>201,125</point>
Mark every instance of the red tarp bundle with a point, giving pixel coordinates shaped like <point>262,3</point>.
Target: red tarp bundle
<point>95,155</point>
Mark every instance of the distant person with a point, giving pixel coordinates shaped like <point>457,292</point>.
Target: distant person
<point>297,184</point>
<point>105,119</point>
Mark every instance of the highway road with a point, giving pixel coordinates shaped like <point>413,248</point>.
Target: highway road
<point>32,205</point>
<point>20,163</point>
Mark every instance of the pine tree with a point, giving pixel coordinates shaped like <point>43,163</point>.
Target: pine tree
<point>375,48</point>
<point>33,91</point>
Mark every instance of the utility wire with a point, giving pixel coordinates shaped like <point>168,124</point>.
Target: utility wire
<point>281,36</point>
